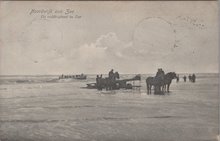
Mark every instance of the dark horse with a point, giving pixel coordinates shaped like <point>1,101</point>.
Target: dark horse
<point>157,82</point>
<point>168,80</point>
<point>160,84</point>
<point>109,83</point>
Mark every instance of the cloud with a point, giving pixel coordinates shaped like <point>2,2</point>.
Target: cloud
<point>108,41</point>
<point>108,51</point>
<point>104,53</point>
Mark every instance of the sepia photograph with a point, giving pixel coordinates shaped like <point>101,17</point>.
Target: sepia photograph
<point>109,71</point>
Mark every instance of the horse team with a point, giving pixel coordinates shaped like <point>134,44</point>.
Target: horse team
<point>108,82</point>
<point>161,82</point>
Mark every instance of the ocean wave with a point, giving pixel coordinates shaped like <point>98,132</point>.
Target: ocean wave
<point>90,78</point>
<point>31,81</point>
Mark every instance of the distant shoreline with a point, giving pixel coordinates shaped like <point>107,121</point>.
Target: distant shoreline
<point>42,75</point>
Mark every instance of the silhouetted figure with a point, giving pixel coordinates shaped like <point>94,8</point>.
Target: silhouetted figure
<point>61,77</point>
<point>159,78</point>
<point>110,79</point>
<point>98,82</point>
<point>160,72</point>
<point>190,78</point>
<point>97,79</point>
<point>193,78</point>
<point>184,78</point>
<point>111,74</point>
<point>177,78</point>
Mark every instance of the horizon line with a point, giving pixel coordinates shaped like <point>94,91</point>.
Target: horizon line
<point>99,73</point>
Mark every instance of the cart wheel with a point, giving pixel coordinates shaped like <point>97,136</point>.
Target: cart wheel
<point>128,86</point>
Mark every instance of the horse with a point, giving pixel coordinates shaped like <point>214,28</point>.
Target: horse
<point>109,83</point>
<point>168,80</point>
<point>161,84</point>
<point>157,82</point>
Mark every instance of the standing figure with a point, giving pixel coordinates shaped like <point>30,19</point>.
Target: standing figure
<point>160,73</point>
<point>159,78</point>
<point>110,79</point>
<point>177,78</point>
<point>190,78</point>
<point>111,74</point>
<point>193,78</point>
<point>98,82</point>
<point>184,78</point>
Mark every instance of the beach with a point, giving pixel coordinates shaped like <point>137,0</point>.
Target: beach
<point>43,108</point>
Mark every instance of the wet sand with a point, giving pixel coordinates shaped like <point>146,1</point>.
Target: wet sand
<point>64,111</point>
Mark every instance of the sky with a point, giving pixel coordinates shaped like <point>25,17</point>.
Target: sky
<point>129,37</point>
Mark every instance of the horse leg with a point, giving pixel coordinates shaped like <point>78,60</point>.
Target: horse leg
<point>164,88</point>
<point>168,88</point>
<point>106,87</point>
<point>147,88</point>
<point>110,85</point>
<point>150,86</point>
<point>155,89</point>
<point>161,89</point>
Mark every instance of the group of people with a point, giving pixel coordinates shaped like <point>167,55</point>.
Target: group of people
<point>192,78</point>
<point>72,76</point>
<point>110,80</point>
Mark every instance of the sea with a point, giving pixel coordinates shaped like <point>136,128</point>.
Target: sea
<point>44,108</point>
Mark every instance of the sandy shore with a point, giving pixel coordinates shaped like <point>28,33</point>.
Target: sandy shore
<point>63,111</point>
